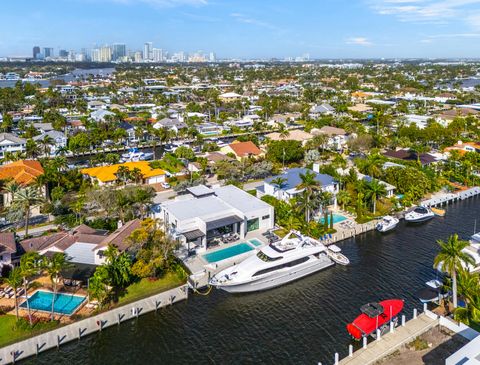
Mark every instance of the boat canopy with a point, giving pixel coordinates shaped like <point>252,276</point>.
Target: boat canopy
<point>334,248</point>
<point>372,309</point>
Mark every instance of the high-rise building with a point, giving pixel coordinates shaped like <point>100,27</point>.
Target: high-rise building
<point>147,51</point>
<point>157,55</point>
<point>47,52</point>
<point>95,55</point>
<point>36,52</point>
<point>105,54</point>
<point>119,51</point>
<point>63,53</point>
<point>137,57</point>
<point>213,57</point>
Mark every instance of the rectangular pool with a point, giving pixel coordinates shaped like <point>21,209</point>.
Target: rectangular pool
<point>337,218</point>
<point>255,242</point>
<point>226,253</point>
<point>64,303</point>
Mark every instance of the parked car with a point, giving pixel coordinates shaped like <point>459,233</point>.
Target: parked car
<point>166,185</point>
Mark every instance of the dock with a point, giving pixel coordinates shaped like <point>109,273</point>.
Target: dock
<point>446,198</point>
<point>78,330</point>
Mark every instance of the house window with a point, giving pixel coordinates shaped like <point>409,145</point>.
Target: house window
<point>266,217</point>
<point>253,224</point>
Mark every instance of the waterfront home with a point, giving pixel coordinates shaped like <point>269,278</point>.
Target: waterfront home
<point>101,115</point>
<point>107,175</point>
<point>230,97</point>
<point>317,111</point>
<point>408,155</point>
<point>209,129</point>
<point>242,150</point>
<point>468,354</point>
<point>291,135</point>
<point>207,213</point>
<point>463,148</point>
<point>171,124</point>
<point>130,130</point>
<point>58,138</point>
<point>390,189</point>
<point>22,172</point>
<point>8,249</point>
<point>337,137</point>
<point>289,188</point>
<point>11,143</point>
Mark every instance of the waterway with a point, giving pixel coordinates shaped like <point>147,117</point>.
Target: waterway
<point>300,323</point>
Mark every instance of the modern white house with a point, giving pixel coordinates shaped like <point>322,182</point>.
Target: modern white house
<point>291,180</point>
<point>206,213</point>
<point>100,115</point>
<point>11,143</point>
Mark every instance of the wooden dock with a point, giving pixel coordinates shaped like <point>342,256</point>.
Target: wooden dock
<point>391,341</point>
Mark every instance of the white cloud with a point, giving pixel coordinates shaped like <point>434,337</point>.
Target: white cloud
<point>359,41</point>
<point>162,3</point>
<point>425,11</point>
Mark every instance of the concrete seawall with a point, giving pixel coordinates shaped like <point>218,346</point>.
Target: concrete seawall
<point>77,330</point>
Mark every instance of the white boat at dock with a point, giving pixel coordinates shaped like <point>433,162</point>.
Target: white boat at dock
<point>292,258</point>
<point>419,214</point>
<point>387,224</point>
<point>134,155</point>
<point>335,253</point>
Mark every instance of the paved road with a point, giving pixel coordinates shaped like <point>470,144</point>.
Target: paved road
<point>37,231</point>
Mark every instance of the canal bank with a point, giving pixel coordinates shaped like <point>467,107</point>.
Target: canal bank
<point>302,322</point>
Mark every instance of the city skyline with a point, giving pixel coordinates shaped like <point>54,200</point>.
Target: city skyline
<point>280,29</point>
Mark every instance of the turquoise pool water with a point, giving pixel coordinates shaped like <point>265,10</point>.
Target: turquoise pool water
<point>337,218</point>
<point>226,253</point>
<point>255,242</point>
<point>64,303</point>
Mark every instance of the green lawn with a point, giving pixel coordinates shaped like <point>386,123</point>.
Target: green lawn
<point>147,287</point>
<point>9,333</point>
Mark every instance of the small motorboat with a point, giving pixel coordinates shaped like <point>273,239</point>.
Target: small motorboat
<point>336,255</point>
<point>432,292</point>
<point>134,155</point>
<point>439,212</point>
<point>387,224</point>
<point>419,214</point>
<point>375,316</point>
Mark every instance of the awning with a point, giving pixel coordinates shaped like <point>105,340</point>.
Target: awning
<point>193,235</point>
<point>223,222</point>
<point>78,271</point>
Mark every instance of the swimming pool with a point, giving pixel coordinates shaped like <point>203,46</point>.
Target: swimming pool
<point>226,253</point>
<point>255,242</point>
<point>64,303</point>
<point>337,218</point>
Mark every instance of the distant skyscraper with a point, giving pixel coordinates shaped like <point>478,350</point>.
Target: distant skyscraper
<point>105,54</point>
<point>47,52</point>
<point>157,55</point>
<point>63,53</point>
<point>147,51</point>
<point>36,52</point>
<point>213,57</point>
<point>137,57</point>
<point>118,51</point>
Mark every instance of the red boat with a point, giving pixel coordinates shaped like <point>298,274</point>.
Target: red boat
<point>375,316</point>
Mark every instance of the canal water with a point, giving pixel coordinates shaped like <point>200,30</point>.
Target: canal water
<point>300,323</point>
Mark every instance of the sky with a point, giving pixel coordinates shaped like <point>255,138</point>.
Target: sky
<point>249,28</point>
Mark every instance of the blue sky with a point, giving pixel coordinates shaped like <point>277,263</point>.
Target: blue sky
<point>249,28</point>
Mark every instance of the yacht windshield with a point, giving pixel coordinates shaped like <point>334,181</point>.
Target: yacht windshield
<point>420,210</point>
<point>264,257</point>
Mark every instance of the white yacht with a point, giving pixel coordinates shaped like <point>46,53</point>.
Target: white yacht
<point>134,155</point>
<point>281,262</point>
<point>387,224</point>
<point>419,214</point>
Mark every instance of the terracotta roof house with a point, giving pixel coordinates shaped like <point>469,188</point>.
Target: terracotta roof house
<point>242,150</point>
<point>23,172</point>
<point>106,175</point>
<point>464,147</point>
<point>8,248</point>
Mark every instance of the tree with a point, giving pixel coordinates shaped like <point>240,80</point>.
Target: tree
<point>344,198</point>
<point>285,151</point>
<point>31,148</point>
<point>469,289</point>
<point>29,267</point>
<point>450,259</point>
<point>54,267</point>
<point>309,184</point>
<point>46,142</point>
<point>123,174</point>
<point>119,269</point>
<point>23,200</point>
<point>185,152</point>
<point>279,182</point>
<point>15,281</point>
<point>292,223</point>
<point>373,191</point>
<point>98,287</point>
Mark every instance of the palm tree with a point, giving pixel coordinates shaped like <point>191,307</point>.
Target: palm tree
<point>469,289</point>
<point>29,267</point>
<point>279,182</point>
<point>344,198</point>
<point>23,200</point>
<point>54,266</point>
<point>450,258</point>
<point>46,142</point>
<point>123,173</point>
<point>310,185</point>
<point>15,281</point>
<point>292,223</point>
<point>374,190</point>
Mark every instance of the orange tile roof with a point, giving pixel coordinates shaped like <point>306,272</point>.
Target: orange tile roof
<point>243,149</point>
<point>107,173</point>
<point>23,172</point>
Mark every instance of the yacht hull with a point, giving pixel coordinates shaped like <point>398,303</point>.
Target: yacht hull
<point>419,220</point>
<point>279,278</point>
